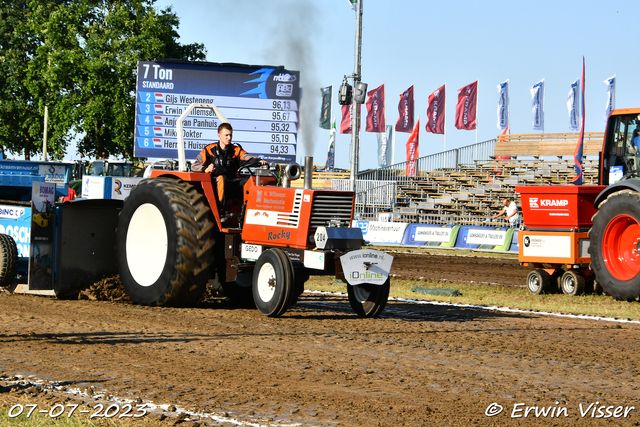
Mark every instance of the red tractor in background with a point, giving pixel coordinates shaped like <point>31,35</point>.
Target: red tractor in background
<point>578,233</point>
<point>171,241</point>
<point>615,234</point>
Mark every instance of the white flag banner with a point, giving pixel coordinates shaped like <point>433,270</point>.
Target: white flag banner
<point>331,152</point>
<point>537,104</point>
<point>611,97</point>
<point>384,150</point>
<point>503,105</point>
<point>572,105</point>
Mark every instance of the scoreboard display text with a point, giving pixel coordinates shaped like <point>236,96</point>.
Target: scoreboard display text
<point>261,103</point>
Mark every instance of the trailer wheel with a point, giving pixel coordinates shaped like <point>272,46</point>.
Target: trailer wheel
<point>164,243</point>
<point>614,245</point>
<point>572,283</point>
<point>538,282</point>
<point>368,300</point>
<point>273,282</point>
<point>8,260</point>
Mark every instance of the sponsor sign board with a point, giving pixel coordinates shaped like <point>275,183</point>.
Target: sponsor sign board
<point>366,266</point>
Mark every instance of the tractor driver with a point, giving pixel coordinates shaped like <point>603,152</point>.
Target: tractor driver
<point>222,160</point>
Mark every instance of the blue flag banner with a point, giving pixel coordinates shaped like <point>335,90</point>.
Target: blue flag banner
<point>331,152</point>
<point>611,97</point>
<point>573,102</point>
<point>503,105</point>
<point>537,105</point>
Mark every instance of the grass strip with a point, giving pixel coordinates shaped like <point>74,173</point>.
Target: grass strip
<point>499,296</point>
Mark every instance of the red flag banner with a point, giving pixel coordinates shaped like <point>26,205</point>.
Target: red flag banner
<point>347,116</point>
<point>435,111</point>
<point>375,110</point>
<point>405,112</point>
<point>412,151</point>
<point>467,107</point>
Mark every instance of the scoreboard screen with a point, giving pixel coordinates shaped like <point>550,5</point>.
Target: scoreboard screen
<point>260,102</point>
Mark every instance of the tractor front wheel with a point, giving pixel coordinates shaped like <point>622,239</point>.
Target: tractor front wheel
<point>368,300</point>
<point>164,243</point>
<point>615,243</point>
<point>273,282</point>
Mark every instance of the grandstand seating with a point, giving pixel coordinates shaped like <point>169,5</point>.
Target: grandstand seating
<point>471,193</point>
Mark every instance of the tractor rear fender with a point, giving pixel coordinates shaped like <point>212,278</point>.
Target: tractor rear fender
<point>199,179</point>
<point>627,184</point>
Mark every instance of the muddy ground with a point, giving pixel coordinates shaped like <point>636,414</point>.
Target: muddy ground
<point>320,365</point>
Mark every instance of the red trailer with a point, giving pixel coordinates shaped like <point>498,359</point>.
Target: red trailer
<point>555,239</point>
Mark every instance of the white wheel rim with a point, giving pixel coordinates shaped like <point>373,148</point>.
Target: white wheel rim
<point>569,284</point>
<point>147,244</point>
<point>534,283</point>
<point>361,294</point>
<point>266,282</point>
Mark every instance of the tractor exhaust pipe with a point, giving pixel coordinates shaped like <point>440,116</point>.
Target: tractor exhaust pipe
<point>308,172</point>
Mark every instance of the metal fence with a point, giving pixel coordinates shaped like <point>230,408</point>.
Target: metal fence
<point>450,159</point>
<point>371,196</point>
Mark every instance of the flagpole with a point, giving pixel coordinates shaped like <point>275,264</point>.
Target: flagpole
<point>477,102</point>
<point>355,129</point>
<point>445,120</point>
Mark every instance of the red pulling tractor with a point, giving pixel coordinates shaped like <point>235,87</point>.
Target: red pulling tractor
<point>171,240</point>
<point>577,232</point>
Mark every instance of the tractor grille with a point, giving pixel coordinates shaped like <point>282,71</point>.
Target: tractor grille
<point>328,206</point>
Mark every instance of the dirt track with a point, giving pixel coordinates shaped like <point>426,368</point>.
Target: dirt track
<point>320,365</point>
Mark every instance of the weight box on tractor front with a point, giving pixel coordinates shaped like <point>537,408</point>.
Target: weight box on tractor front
<point>171,240</point>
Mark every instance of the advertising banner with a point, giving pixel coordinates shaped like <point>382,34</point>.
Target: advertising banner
<point>381,232</point>
<point>503,105</point>
<point>405,112</point>
<point>261,104</point>
<point>436,111</point>
<point>375,110</point>
<point>325,108</point>
<point>41,247</point>
<point>537,105</point>
<point>467,107</point>
<point>15,221</point>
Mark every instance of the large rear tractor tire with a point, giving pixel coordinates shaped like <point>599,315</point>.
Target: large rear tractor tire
<point>368,300</point>
<point>8,260</point>
<point>273,282</point>
<point>164,243</point>
<point>615,243</point>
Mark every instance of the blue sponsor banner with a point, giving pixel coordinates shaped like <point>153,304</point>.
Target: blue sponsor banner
<point>15,221</point>
<point>485,238</point>
<point>430,235</point>
<point>468,237</point>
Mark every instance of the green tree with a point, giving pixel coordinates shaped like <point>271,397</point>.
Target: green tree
<point>78,58</point>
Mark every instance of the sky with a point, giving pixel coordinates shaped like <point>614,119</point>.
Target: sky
<point>428,44</point>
